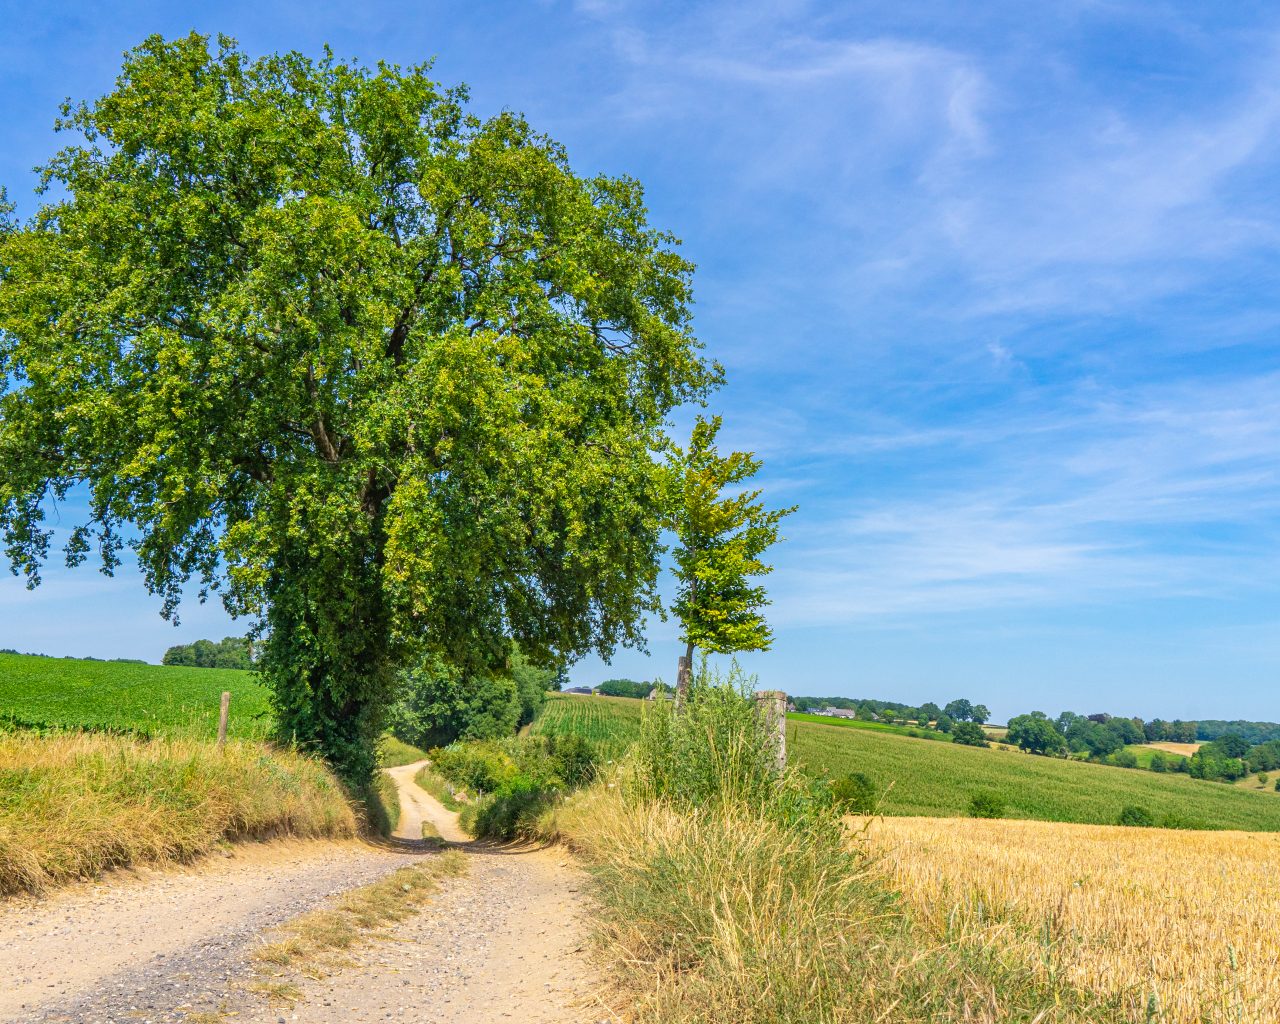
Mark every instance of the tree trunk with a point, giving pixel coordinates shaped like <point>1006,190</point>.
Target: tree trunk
<point>329,658</point>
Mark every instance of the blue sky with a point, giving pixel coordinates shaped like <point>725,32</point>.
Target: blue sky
<point>997,286</point>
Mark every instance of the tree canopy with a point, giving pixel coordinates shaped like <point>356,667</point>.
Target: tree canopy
<point>1036,733</point>
<point>386,376</point>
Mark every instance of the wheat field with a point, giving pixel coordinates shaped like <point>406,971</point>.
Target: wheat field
<point>1185,926</point>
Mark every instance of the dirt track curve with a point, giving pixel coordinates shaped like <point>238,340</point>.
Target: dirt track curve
<point>501,944</point>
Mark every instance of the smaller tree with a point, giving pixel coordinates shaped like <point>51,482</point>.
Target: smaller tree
<point>969,734</point>
<point>1036,733</point>
<point>979,713</point>
<point>945,723</point>
<point>721,539</point>
<point>961,710</point>
<point>929,712</point>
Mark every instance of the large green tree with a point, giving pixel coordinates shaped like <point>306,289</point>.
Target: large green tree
<point>389,377</point>
<point>722,532</point>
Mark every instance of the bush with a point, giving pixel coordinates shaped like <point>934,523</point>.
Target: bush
<point>575,758</point>
<point>506,813</point>
<point>1123,759</point>
<point>480,767</point>
<point>1159,762</point>
<point>855,794</point>
<point>1134,816</point>
<point>986,805</point>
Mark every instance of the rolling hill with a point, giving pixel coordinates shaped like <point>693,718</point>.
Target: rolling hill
<point>932,779</point>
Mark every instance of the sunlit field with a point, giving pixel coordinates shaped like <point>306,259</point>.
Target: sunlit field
<point>1184,925</point>
<point>611,723</point>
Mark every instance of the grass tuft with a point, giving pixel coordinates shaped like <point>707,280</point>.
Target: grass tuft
<point>312,944</point>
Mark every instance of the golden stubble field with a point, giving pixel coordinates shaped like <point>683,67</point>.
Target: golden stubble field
<point>1184,925</point>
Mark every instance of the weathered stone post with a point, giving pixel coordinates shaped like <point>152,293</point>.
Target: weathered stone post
<point>683,670</point>
<point>773,705</point>
<point>222,719</point>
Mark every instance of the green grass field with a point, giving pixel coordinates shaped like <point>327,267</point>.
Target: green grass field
<point>152,699</point>
<point>612,723</point>
<point>937,779</point>
<point>1144,754</point>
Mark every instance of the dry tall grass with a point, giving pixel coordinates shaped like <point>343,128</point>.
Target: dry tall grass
<point>719,915</point>
<point>74,805</point>
<point>1182,927</point>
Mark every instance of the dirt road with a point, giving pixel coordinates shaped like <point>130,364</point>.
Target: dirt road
<point>504,943</point>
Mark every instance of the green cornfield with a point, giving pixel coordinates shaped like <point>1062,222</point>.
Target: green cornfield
<point>611,723</point>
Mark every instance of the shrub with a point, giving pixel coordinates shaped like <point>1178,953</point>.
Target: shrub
<point>481,766</point>
<point>986,805</point>
<point>1123,759</point>
<point>1134,816</point>
<point>715,749</point>
<point>505,813</point>
<point>1158,762</point>
<point>575,758</point>
<point>854,793</point>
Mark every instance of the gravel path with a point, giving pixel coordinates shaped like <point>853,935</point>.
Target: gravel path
<point>502,944</point>
<point>144,944</point>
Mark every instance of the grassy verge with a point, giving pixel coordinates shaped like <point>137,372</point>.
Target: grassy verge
<point>728,890</point>
<point>392,753</point>
<point>382,805</point>
<point>438,788</point>
<point>72,806</point>
<point>315,944</point>
<point>805,927</point>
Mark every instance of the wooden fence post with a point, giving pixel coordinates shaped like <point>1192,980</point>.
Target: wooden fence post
<point>773,705</point>
<point>222,719</point>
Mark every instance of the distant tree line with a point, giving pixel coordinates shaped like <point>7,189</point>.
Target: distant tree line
<point>624,688</point>
<point>928,714</point>
<point>1108,740</point>
<point>1253,732</point>
<point>229,652</point>
<point>72,657</point>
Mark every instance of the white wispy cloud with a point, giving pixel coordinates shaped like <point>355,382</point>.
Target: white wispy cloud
<point>1167,491</point>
